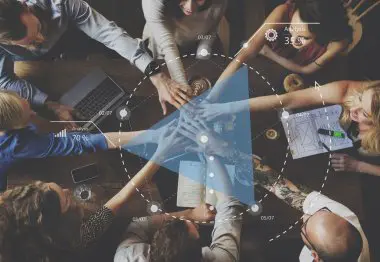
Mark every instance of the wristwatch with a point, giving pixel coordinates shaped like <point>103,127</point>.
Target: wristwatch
<point>152,69</point>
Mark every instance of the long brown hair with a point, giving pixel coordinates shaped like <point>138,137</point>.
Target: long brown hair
<point>370,140</point>
<point>31,220</point>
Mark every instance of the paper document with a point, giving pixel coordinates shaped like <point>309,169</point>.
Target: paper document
<point>301,129</point>
<point>190,192</point>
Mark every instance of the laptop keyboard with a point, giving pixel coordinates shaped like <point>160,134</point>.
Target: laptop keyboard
<point>98,99</point>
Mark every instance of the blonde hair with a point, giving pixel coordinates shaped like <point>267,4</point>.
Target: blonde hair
<point>11,110</point>
<point>370,140</point>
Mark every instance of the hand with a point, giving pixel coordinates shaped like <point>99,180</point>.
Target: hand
<point>196,130</point>
<point>170,91</point>
<point>170,142</point>
<point>63,113</point>
<point>209,112</point>
<point>343,162</point>
<point>202,213</point>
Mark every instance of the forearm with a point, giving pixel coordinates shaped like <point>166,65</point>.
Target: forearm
<point>367,168</point>
<point>134,138</point>
<point>217,167</point>
<point>293,195</point>
<point>24,89</point>
<point>144,175</point>
<point>99,28</point>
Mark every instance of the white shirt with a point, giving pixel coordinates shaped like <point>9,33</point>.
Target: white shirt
<point>314,202</point>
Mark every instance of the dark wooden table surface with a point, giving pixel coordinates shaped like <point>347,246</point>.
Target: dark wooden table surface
<point>310,171</point>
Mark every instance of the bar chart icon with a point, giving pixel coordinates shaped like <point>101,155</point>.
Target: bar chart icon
<point>62,133</point>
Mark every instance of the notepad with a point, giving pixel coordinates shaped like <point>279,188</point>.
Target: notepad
<point>301,129</point>
<point>192,184</point>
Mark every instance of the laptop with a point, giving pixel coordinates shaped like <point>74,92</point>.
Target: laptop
<point>94,97</point>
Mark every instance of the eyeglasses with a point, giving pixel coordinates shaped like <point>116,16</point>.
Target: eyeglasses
<point>303,228</point>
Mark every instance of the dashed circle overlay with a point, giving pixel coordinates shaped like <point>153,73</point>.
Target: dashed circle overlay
<point>280,173</point>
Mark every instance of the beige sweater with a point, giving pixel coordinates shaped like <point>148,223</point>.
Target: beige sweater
<point>166,33</point>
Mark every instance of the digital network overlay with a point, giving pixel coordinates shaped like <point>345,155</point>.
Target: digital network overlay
<point>234,129</point>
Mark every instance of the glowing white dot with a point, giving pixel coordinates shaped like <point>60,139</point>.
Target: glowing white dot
<point>212,208</point>
<point>285,114</point>
<point>245,45</point>
<point>211,175</point>
<point>154,208</point>
<point>211,158</point>
<point>204,139</point>
<point>255,208</point>
<point>211,191</point>
<point>204,52</point>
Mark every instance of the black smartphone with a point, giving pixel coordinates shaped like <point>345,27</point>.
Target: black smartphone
<point>85,173</point>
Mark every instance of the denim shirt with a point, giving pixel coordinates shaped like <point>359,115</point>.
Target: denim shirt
<point>62,13</point>
<point>26,143</point>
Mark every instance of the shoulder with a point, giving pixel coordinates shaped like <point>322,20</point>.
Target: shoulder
<point>138,252</point>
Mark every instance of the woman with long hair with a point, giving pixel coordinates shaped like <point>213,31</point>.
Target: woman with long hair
<point>300,35</point>
<point>180,25</point>
<point>40,219</point>
<point>360,115</point>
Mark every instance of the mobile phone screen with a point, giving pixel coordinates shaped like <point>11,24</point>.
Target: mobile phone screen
<point>85,173</point>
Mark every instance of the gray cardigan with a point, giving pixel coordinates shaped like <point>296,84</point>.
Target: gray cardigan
<point>166,33</point>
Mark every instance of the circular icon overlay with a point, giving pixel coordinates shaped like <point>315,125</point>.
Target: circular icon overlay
<point>123,113</point>
<point>153,208</point>
<point>255,209</point>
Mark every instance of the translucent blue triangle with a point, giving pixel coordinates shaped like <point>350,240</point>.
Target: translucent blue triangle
<point>235,129</point>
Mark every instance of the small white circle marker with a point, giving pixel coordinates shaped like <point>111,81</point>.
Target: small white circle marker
<point>212,208</point>
<point>285,114</point>
<point>204,139</point>
<point>211,175</point>
<point>204,52</point>
<point>211,158</point>
<point>211,191</point>
<point>245,45</point>
<point>255,208</point>
<point>154,208</point>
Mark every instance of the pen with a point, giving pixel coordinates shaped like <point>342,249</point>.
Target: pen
<point>332,133</point>
<point>324,145</point>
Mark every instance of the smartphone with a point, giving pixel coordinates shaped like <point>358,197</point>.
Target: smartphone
<point>85,173</point>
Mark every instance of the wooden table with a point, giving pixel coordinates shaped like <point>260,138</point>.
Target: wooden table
<point>309,171</point>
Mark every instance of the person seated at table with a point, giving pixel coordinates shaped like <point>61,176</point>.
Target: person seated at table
<point>307,47</point>
<point>20,140</point>
<point>331,232</point>
<point>40,220</point>
<point>174,25</point>
<point>164,238</point>
<point>30,29</point>
<point>360,117</point>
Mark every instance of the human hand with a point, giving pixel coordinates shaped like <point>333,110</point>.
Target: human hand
<point>170,142</point>
<point>344,162</point>
<point>210,112</point>
<point>63,113</point>
<point>207,141</point>
<point>202,213</point>
<point>170,91</point>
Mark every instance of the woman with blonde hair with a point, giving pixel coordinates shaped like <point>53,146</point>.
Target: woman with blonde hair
<point>360,115</point>
<point>19,138</point>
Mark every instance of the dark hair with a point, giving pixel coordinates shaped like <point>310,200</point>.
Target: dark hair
<point>330,14</point>
<point>352,252</point>
<point>11,26</point>
<point>173,243</point>
<point>174,9</point>
<point>27,215</point>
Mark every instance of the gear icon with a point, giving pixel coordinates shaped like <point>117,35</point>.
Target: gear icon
<point>271,35</point>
